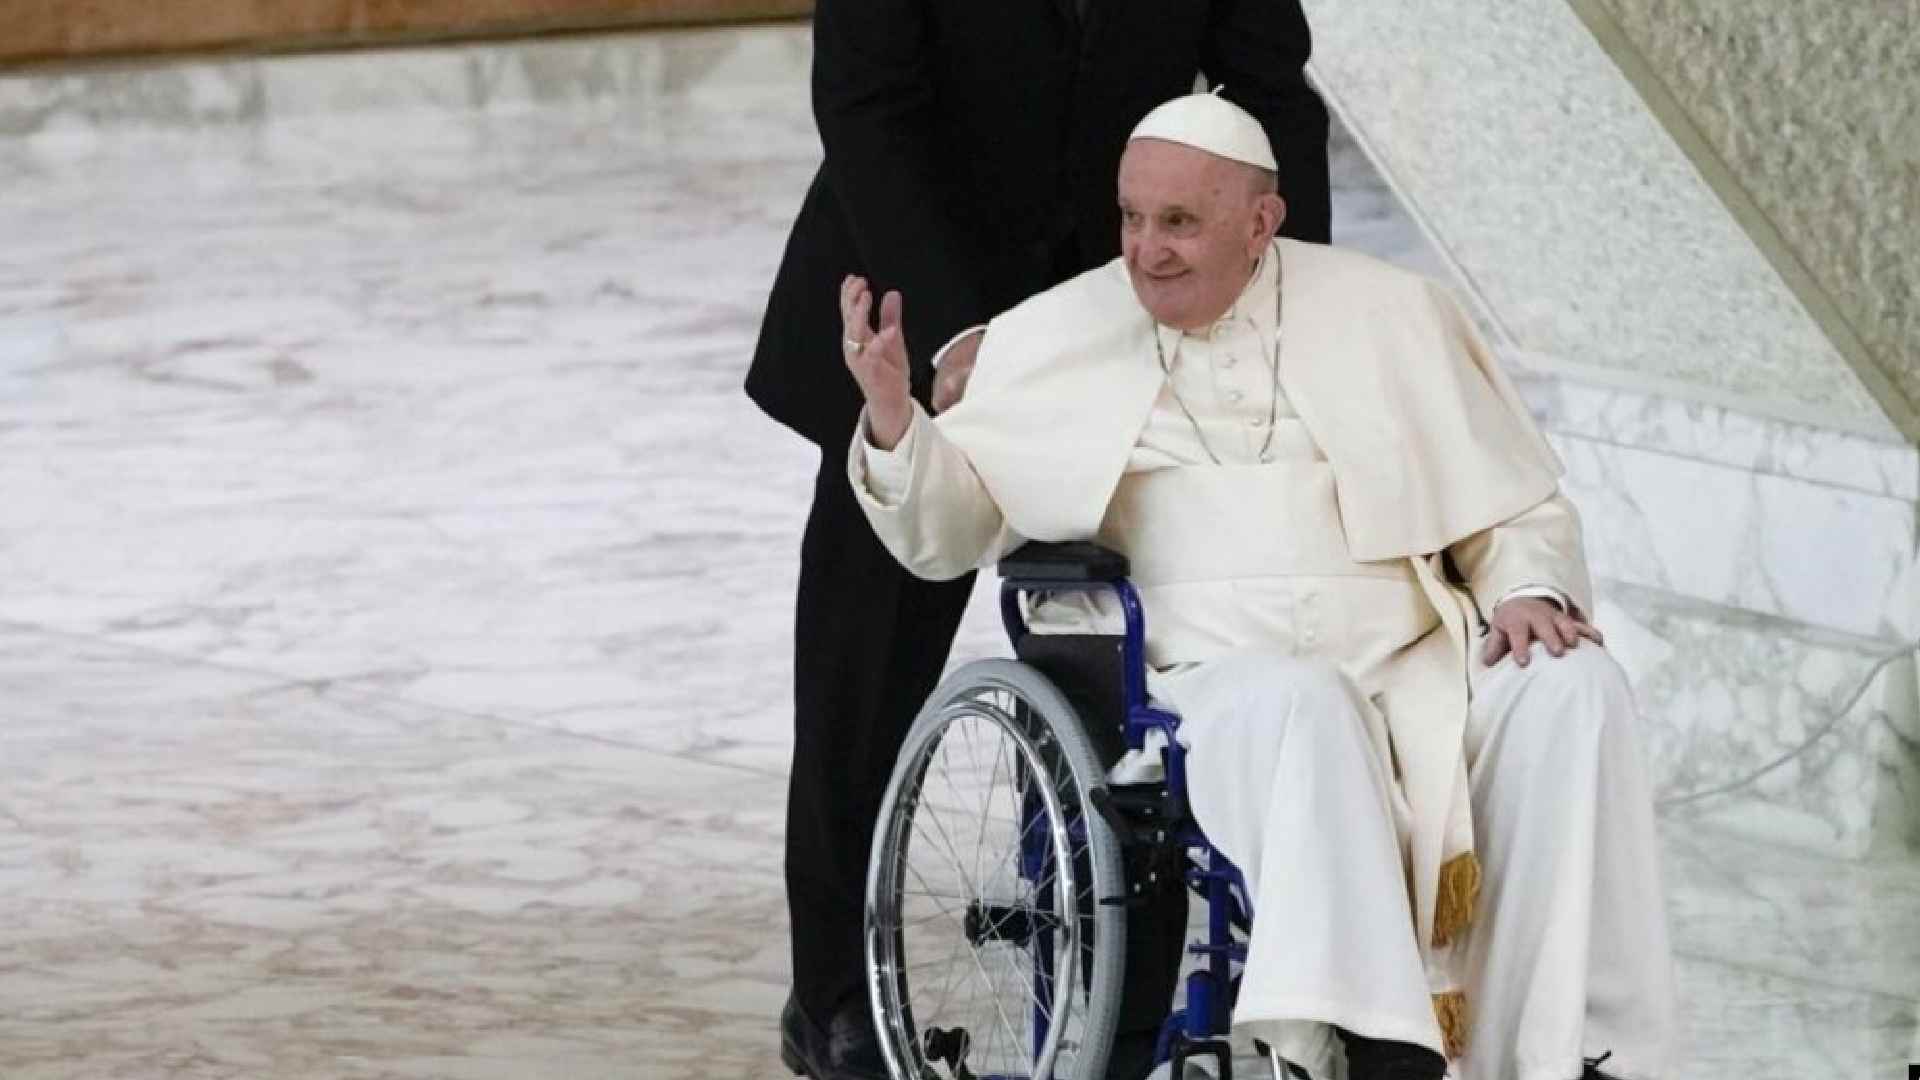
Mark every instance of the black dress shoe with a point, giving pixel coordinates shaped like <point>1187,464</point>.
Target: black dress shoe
<point>1384,1059</point>
<point>845,1050</point>
<point>796,1038</point>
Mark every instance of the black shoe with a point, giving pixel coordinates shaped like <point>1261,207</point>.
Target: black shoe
<point>1384,1059</point>
<point>846,1050</point>
<point>1592,1070</point>
<point>796,1038</point>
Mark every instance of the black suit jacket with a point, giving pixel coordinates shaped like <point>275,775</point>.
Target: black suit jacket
<point>972,149</point>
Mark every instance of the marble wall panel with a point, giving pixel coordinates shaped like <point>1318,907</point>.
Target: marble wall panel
<point>1721,436</point>
<point>1809,551</point>
<point>1591,238</point>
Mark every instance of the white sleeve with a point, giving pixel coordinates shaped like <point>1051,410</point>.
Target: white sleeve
<point>1538,592</point>
<point>889,472</point>
<point>1522,555</point>
<point>941,521</point>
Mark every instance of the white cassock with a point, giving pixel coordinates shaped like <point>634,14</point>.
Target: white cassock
<point>1276,647</point>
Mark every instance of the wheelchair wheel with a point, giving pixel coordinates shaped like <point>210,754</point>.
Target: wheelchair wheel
<point>989,953</point>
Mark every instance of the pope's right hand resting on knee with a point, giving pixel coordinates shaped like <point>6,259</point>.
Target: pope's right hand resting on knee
<point>1350,543</point>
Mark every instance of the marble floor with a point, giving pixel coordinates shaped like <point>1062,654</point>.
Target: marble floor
<point>393,606</point>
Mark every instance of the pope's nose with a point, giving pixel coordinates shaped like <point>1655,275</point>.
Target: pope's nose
<point>1147,253</point>
<point>1159,262</point>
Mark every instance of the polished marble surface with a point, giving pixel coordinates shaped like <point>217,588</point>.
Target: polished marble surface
<point>1763,727</point>
<point>1715,435</point>
<point>590,70</point>
<point>215,872</point>
<point>1810,552</point>
<point>393,611</point>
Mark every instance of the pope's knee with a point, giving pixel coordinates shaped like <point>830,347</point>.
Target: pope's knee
<point>1277,697</point>
<point>1583,671</point>
<point>1583,689</point>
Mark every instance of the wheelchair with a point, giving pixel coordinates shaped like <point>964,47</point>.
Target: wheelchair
<point>1004,864</point>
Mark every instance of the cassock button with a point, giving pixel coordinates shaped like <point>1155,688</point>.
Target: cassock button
<point>1234,396</point>
<point>1228,360</point>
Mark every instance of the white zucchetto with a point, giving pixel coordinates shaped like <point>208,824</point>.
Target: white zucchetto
<point>1211,123</point>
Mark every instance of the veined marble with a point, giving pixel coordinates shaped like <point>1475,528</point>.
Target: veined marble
<point>1771,729</point>
<point>396,588</point>
<point>1807,551</point>
<point>1718,435</point>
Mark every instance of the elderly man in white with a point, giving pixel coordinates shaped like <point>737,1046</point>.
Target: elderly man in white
<point>1322,480</point>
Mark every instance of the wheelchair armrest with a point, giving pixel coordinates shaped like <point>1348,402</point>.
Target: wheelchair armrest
<point>1076,560</point>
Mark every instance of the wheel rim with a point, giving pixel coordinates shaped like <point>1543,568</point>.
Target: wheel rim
<point>973,928</point>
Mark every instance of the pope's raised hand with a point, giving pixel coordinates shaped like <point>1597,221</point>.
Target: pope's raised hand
<point>878,361</point>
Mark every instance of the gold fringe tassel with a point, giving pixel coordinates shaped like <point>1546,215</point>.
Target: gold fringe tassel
<point>1450,1009</point>
<point>1459,896</point>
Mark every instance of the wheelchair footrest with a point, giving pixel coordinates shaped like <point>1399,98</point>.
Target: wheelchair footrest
<point>1153,850</point>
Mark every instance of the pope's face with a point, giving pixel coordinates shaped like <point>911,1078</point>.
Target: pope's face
<point>1192,226</point>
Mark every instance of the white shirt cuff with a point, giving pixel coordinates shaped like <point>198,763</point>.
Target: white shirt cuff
<point>1539,592</point>
<point>889,472</point>
<point>957,339</point>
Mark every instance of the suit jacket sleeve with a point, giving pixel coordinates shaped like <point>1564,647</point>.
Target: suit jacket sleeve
<point>1540,546</point>
<point>888,170</point>
<point>943,522</point>
<point>1257,50</point>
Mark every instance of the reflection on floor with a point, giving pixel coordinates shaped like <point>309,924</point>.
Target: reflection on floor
<point>393,624</point>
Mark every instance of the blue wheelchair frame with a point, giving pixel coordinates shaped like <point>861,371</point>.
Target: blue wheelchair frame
<point>1200,1027</point>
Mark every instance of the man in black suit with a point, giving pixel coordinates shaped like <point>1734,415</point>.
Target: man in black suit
<point>971,149</point>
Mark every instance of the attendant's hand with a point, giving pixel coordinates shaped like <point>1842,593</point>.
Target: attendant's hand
<point>1523,620</point>
<point>956,367</point>
<point>878,361</point>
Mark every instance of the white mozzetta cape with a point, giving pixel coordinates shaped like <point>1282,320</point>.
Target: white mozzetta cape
<point>1428,441</point>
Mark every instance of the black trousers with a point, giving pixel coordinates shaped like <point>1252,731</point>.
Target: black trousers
<point>870,641</point>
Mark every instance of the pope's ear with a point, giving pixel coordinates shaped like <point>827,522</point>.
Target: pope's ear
<point>1274,212</point>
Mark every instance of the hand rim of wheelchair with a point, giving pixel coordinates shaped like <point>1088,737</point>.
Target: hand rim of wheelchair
<point>1055,725</point>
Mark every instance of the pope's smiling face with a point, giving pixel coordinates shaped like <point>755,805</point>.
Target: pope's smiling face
<point>1192,226</point>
